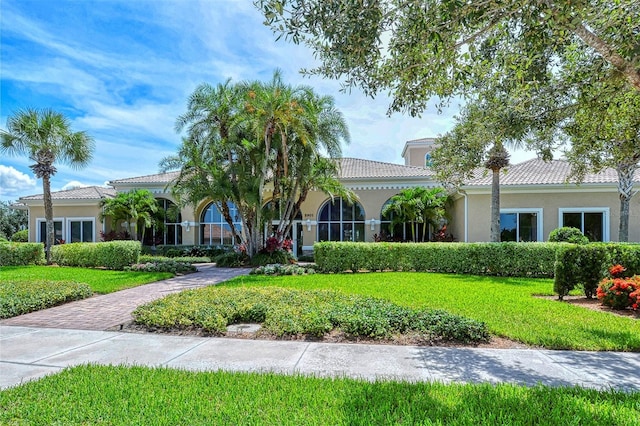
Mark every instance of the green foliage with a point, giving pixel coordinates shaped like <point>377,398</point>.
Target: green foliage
<point>292,312</point>
<point>184,259</point>
<point>20,236</point>
<point>21,297</point>
<point>135,207</point>
<point>569,235</point>
<point>502,259</point>
<point>110,255</point>
<point>14,254</point>
<point>506,305</point>
<point>278,269</point>
<point>587,264</point>
<point>101,281</point>
<point>174,266</point>
<point>266,258</point>
<point>11,220</point>
<point>160,396</point>
<point>231,260</point>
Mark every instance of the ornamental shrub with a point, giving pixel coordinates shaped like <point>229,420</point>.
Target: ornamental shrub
<point>21,297</point>
<point>230,260</point>
<point>20,236</point>
<point>502,259</point>
<point>567,234</point>
<point>17,254</point>
<point>618,292</point>
<point>111,255</point>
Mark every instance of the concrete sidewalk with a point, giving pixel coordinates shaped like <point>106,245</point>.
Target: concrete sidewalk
<point>47,341</point>
<point>28,353</point>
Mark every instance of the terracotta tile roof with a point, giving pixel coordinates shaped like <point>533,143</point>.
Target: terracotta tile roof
<point>84,193</point>
<point>356,168</point>
<point>539,172</point>
<point>163,178</point>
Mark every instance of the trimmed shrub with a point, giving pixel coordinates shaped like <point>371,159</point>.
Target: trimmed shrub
<point>277,269</point>
<point>184,259</point>
<point>17,254</point>
<point>269,258</point>
<point>17,298</point>
<point>501,259</point>
<point>20,236</point>
<point>587,265</point>
<point>567,234</point>
<point>111,254</point>
<point>286,312</point>
<point>231,260</point>
<point>166,265</point>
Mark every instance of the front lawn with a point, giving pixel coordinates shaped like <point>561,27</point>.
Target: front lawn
<point>159,396</point>
<point>506,305</point>
<point>101,281</point>
<point>25,289</point>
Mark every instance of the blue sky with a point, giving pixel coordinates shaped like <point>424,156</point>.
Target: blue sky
<point>123,70</point>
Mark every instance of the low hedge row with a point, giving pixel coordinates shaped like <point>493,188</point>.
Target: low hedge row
<point>287,312</point>
<point>588,264</point>
<point>18,254</point>
<point>111,255</point>
<point>17,298</point>
<point>501,259</point>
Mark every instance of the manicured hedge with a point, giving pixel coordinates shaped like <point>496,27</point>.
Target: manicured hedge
<point>502,259</point>
<point>16,254</point>
<point>21,297</point>
<point>588,264</point>
<point>110,255</point>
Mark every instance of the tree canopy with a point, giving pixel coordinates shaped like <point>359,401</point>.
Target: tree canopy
<point>417,50</point>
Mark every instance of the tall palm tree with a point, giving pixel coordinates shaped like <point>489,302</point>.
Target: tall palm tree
<point>46,138</point>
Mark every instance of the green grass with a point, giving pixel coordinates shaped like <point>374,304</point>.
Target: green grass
<point>101,281</point>
<point>506,305</point>
<point>100,395</point>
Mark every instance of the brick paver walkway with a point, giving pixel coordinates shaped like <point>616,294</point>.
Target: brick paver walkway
<point>112,310</point>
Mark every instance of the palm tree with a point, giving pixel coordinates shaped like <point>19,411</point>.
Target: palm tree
<point>45,136</point>
<point>433,203</point>
<point>405,207</point>
<point>136,207</point>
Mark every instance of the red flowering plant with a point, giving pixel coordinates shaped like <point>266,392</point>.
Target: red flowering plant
<point>618,292</point>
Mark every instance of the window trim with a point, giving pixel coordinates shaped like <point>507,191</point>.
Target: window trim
<point>539,221</point>
<point>80,219</point>
<point>606,222</point>
<point>39,220</point>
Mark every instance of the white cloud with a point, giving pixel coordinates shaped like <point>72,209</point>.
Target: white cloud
<point>74,184</point>
<point>13,182</point>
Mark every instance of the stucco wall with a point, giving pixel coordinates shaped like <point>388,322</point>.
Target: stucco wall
<point>550,202</point>
<point>64,213</point>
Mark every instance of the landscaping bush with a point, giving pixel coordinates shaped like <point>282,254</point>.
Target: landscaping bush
<point>184,259</point>
<point>111,255</point>
<point>269,258</point>
<point>17,254</point>
<point>567,234</point>
<point>277,269</point>
<point>587,265</point>
<point>231,260</point>
<point>21,297</point>
<point>20,236</point>
<point>187,251</point>
<point>162,265</point>
<point>619,291</point>
<point>310,312</point>
<point>501,259</point>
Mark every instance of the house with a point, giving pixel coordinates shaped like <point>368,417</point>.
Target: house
<point>535,199</point>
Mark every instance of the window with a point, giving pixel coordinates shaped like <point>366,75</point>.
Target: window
<point>170,230</point>
<point>42,231</point>
<point>428,162</point>
<point>521,225</point>
<point>214,229</point>
<point>341,221</point>
<point>593,222</point>
<point>80,230</point>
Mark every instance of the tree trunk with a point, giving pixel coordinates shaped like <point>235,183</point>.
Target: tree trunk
<point>495,206</point>
<point>48,214</point>
<point>625,191</point>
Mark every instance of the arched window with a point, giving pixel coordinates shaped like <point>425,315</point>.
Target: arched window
<point>341,221</point>
<point>214,229</point>
<point>170,232</point>
<point>400,231</point>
